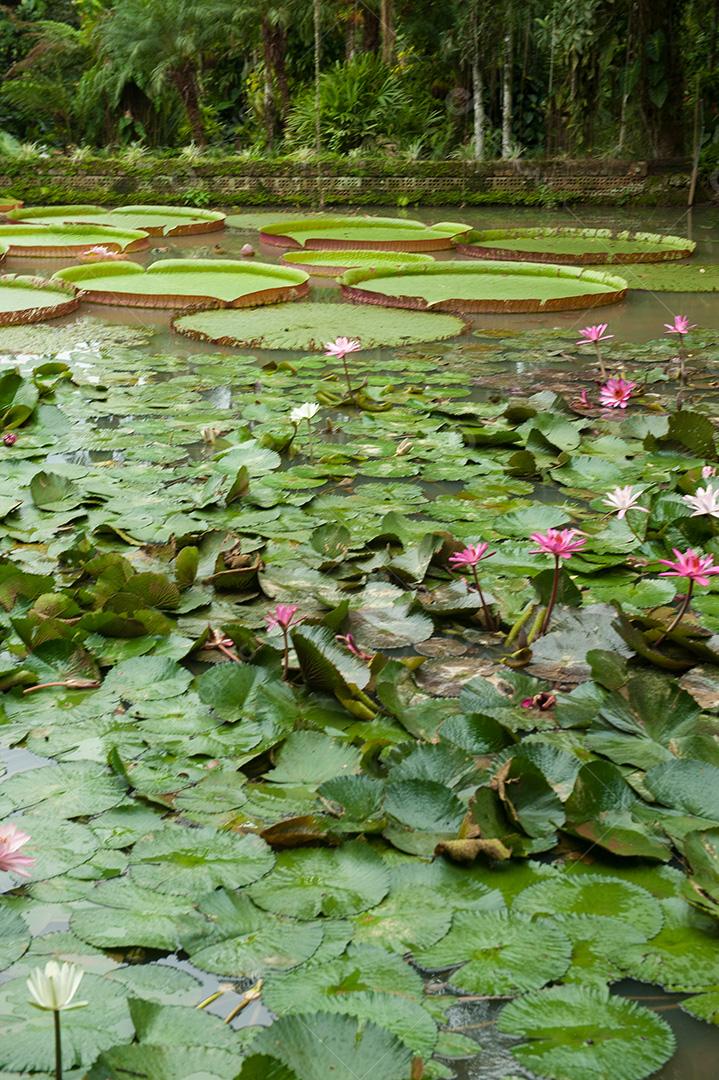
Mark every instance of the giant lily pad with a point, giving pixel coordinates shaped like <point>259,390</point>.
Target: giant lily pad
<point>185,283</point>
<point>493,286</point>
<point>687,277</point>
<point>333,263</point>
<point>155,220</point>
<point>309,326</point>
<point>31,299</point>
<point>578,1032</point>
<point>8,203</point>
<point>574,246</point>
<point>55,241</point>
<point>389,234</point>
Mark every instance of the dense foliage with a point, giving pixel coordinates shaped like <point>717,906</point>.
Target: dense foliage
<point>417,78</point>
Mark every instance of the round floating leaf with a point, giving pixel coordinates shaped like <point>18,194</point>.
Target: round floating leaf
<point>53,241</point>
<point>146,678</point>
<point>191,862</point>
<point>690,786</point>
<point>685,277</point>
<point>309,882</point>
<point>684,955</point>
<point>596,944</point>
<point>14,936</point>
<point>124,915</point>
<point>27,1045</point>
<point>500,953</point>
<point>426,805</point>
<point>333,263</point>
<point>177,1062</point>
<point>577,1032</point>
<point>30,299</point>
<point>574,246</point>
<point>309,326</point>
<point>316,1046</point>
<point>408,920</point>
<point>71,789</point>
<point>311,757</point>
<point>57,845</point>
<point>185,283</point>
<point>338,233</point>
<point>155,220</point>
<point>611,899</point>
<point>703,1006</point>
<point>230,936</point>
<point>491,286</point>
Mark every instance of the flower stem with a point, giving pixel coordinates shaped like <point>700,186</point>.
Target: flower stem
<point>600,362</point>
<point>286,657</point>
<point>347,376</point>
<point>488,620</point>
<point>679,615</point>
<point>310,453</point>
<point>58,1044</point>
<point>552,598</point>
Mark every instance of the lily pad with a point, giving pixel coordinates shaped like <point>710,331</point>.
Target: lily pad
<point>155,220</point>
<point>499,953</point>
<point>185,283</point>
<point>31,299</point>
<point>55,241</point>
<point>574,246</point>
<point>337,233</point>
<point>310,882</point>
<point>309,326</point>
<point>333,263</point>
<point>609,899</point>
<point>685,277</point>
<point>491,286</point>
<point>577,1032</point>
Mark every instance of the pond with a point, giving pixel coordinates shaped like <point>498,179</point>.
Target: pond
<point>122,644</point>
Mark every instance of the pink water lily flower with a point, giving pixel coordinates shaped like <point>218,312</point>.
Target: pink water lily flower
<point>690,564</point>
<point>100,253</point>
<point>616,393</point>
<point>471,555</point>
<point>708,471</point>
<point>681,326</point>
<point>282,617</point>
<point>351,645</point>
<point>562,543</point>
<point>705,502</point>
<point>622,499</point>
<point>590,335</point>
<point>11,840</point>
<point>341,346</point>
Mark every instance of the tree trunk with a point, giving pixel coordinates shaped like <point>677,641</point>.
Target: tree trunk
<point>370,30</point>
<point>507,95</point>
<point>387,30</point>
<point>477,90</point>
<point>185,80</point>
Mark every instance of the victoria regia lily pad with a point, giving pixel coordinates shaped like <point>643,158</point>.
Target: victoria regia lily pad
<point>155,220</point>
<point>55,241</point>
<point>491,286</point>
<point>389,234</point>
<point>31,299</point>
<point>309,326</point>
<point>185,283</point>
<point>333,263</point>
<point>574,246</point>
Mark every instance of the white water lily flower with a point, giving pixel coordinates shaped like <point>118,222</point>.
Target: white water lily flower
<point>304,412</point>
<point>55,987</point>
<point>622,499</point>
<point>704,502</point>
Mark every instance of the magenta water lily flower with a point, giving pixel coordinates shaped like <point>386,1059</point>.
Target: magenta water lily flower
<point>469,558</point>
<point>697,569</point>
<point>681,326</point>
<point>616,393</point>
<point>351,645</point>
<point>622,499</point>
<point>471,555</point>
<point>9,438</point>
<point>562,544</point>
<point>590,335</point>
<point>282,618</point>
<point>11,858</point>
<point>690,564</point>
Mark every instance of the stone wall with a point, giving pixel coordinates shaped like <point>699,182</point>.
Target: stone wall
<point>235,181</point>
